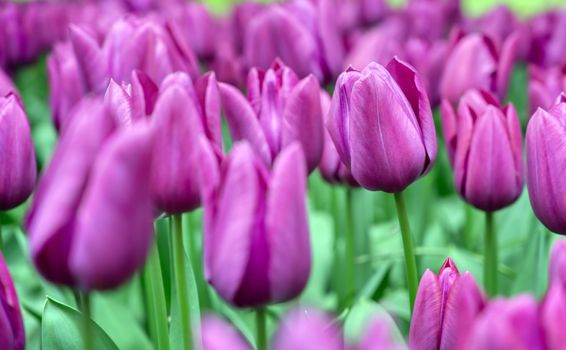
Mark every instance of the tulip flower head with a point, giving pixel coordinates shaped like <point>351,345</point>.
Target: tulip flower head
<point>445,307</point>
<point>17,155</point>
<point>544,85</point>
<point>12,333</point>
<point>379,335</point>
<point>218,334</point>
<point>553,317</point>
<point>545,173</point>
<point>485,149</point>
<point>256,236</point>
<point>381,123</point>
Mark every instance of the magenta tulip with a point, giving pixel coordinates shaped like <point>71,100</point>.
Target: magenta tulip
<point>218,334</point>
<point>12,333</point>
<point>545,84</point>
<point>17,155</point>
<point>381,124</point>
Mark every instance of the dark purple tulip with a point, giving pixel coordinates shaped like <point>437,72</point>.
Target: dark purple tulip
<point>474,62</point>
<point>506,324</point>
<point>445,307</point>
<point>553,317</point>
<point>485,149</point>
<point>381,124</point>
<point>547,33</point>
<point>280,109</point>
<point>379,335</point>
<point>91,221</point>
<point>17,156</point>
<point>306,329</point>
<point>256,235</point>
<point>6,85</point>
<point>544,85</point>
<point>218,334</point>
<point>182,115</point>
<point>557,265</point>
<point>545,173</point>
<point>12,333</point>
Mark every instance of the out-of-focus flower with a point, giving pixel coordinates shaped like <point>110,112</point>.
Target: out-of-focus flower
<point>280,109</point>
<point>218,334</point>
<point>379,335</point>
<point>557,265</point>
<point>475,62</point>
<point>547,33</point>
<point>17,156</point>
<point>6,85</point>
<point>256,236</point>
<point>381,124</point>
<point>12,333</point>
<point>545,173</point>
<point>499,23</point>
<point>446,306</point>
<point>182,115</point>
<point>432,19</point>
<point>545,84</point>
<point>305,329</point>
<point>506,324</point>
<point>484,146</point>
<point>91,220</point>
<point>553,317</point>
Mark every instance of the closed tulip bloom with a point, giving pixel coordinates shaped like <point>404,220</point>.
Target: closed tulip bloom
<point>379,335</point>
<point>12,333</point>
<point>485,148</point>
<point>305,329</point>
<point>474,62</point>
<point>557,265</point>
<point>381,124</point>
<point>280,109</point>
<point>17,155</point>
<point>545,180</point>
<point>553,317</point>
<point>256,236</point>
<point>182,114</point>
<point>218,334</point>
<point>507,324</point>
<point>546,32</point>
<point>446,306</point>
<point>544,85</point>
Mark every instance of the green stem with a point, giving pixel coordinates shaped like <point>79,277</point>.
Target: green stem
<point>468,227</point>
<point>155,301</point>
<point>260,328</point>
<point>490,263</point>
<point>410,262</point>
<point>87,329</point>
<point>181,281</point>
<point>350,248</point>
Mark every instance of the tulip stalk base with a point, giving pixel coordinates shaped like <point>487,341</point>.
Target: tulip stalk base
<point>88,339</point>
<point>350,247</point>
<point>408,250</point>
<point>180,273</point>
<point>155,301</point>
<point>490,259</point>
<point>261,329</point>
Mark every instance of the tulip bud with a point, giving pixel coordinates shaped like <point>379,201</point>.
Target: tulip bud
<point>445,307</point>
<point>545,140</point>
<point>12,333</point>
<point>217,334</point>
<point>553,317</point>
<point>557,265</point>
<point>484,146</point>
<point>544,85</point>
<point>280,110</point>
<point>379,335</point>
<point>256,236</point>
<point>17,156</point>
<point>182,114</point>
<point>381,124</point>
<point>474,62</point>
<point>304,329</point>
<point>507,324</point>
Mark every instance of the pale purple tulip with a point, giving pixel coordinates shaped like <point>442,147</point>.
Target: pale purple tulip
<point>379,335</point>
<point>256,236</point>
<point>306,329</point>
<point>557,265</point>
<point>553,317</point>
<point>474,62</point>
<point>484,146</point>
<point>218,334</point>
<point>545,84</point>
<point>12,333</point>
<point>183,113</point>
<point>506,324</point>
<point>381,124</point>
<point>446,306</point>
<point>17,156</point>
<point>545,171</point>
<point>280,109</point>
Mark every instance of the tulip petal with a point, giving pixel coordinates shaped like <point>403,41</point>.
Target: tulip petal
<point>217,334</point>
<point>449,129</point>
<point>553,317</point>
<point>11,317</point>
<point>425,323</point>
<point>557,264</point>
<point>119,103</point>
<point>206,89</point>
<point>90,58</point>
<point>516,140</point>
<point>144,94</point>
<point>505,64</point>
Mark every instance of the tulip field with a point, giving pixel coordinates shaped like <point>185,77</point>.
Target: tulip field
<point>286,175</point>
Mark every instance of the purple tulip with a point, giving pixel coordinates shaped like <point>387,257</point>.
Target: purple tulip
<point>545,156</point>
<point>431,19</point>
<point>547,32</point>
<point>280,110</point>
<point>218,334</point>
<point>485,148</point>
<point>474,62</point>
<point>6,85</point>
<point>544,85</point>
<point>379,335</point>
<point>256,236</point>
<point>305,329</point>
<point>553,317</point>
<point>507,324</point>
<point>12,333</point>
<point>91,220</point>
<point>17,156</point>
<point>381,124</point>
<point>182,114</point>
<point>445,307</point>
<point>499,23</point>
<point>557,265</point>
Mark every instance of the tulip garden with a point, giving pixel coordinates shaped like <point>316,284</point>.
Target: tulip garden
<point>287,175</point>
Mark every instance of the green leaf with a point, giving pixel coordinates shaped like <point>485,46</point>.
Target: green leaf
<point>61,328</point>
